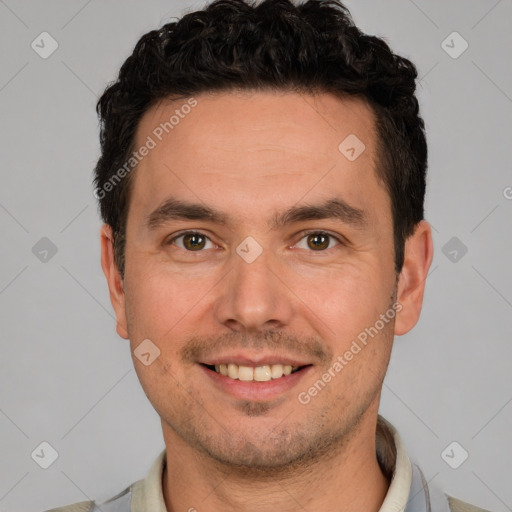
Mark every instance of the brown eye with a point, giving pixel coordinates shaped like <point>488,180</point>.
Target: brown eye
<point>318,241</point>
<point>192,241</point>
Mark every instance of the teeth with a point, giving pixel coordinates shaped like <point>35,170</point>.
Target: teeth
<point>262,373</point>
<point>258,373</point>
<point>233,371</point>
<point>245,373</point>
<point>277,371</point>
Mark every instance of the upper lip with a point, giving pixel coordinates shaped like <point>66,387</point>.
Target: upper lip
<point>256,360</point>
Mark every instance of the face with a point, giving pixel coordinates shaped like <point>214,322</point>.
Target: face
<point>255,244</point>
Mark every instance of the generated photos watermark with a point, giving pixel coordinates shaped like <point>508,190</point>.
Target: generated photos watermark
<point>136,157</point>
<point>304,397</point>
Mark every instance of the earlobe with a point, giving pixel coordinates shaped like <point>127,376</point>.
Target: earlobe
<point>114,280</point>
<point>418,254</point>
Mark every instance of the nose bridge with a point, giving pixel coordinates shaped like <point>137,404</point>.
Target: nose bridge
<point>253,298</point>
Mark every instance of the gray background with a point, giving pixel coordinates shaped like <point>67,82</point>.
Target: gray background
<point>67,378</point>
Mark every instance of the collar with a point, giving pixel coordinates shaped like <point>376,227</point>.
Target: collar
<point>408,490</point>
<point>395,463</point>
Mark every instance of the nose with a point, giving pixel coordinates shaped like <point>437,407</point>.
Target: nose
<point>253,298</point>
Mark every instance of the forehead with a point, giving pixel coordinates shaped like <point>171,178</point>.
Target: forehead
<point>257,148</point>
<point>275,119</point>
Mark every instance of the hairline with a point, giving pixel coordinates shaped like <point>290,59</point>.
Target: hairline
<point>381,161</point>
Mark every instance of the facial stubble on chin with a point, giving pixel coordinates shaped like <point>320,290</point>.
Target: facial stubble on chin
<point>287,451</point>
<point>282,450</point>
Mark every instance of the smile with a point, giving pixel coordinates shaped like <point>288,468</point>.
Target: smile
<point>262,373</point>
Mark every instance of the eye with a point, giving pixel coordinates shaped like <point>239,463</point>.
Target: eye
<point>192,241</point>
<point>317,241</point>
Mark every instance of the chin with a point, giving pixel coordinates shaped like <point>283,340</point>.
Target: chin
<point>261,454</point>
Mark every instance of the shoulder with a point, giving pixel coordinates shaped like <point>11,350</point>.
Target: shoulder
<point>461,506</point>
<point>83,506</point>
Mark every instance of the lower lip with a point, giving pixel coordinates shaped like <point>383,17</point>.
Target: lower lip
<point>256,391</point>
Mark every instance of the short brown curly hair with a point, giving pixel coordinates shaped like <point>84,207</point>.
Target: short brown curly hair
<point>312,47</point>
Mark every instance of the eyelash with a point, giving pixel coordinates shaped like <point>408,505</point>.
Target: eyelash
<point>340,240</point>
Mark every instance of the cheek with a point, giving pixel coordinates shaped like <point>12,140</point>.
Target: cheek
<point>159,299</point>
<point>346,299</point>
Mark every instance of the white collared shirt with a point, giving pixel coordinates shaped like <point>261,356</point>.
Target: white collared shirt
<point>408,490</point>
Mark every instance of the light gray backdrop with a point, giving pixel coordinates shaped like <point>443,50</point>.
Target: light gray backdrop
<point>67,379</point>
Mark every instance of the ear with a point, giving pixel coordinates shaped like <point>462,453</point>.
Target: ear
<point>114,280</point>
<point>418,253</point>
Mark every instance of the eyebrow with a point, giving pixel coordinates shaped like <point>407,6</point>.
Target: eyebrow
<point>335,208</point>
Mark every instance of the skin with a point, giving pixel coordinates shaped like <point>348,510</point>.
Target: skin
<point>251,156</point>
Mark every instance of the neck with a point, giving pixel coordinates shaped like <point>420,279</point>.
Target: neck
<point>346,479</point>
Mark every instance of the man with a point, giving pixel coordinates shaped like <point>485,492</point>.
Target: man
<point>261,181</point>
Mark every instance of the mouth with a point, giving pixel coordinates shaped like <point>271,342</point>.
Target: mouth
<point>262,373</point>
<point>255,378</point>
